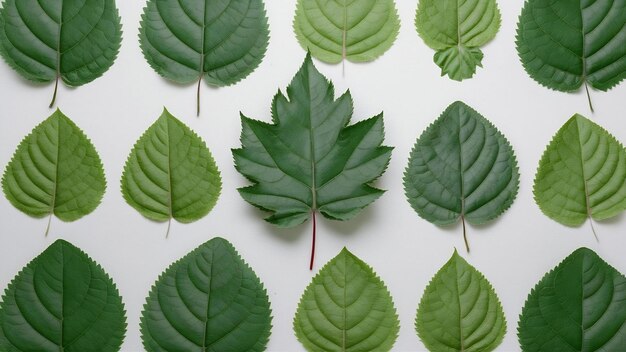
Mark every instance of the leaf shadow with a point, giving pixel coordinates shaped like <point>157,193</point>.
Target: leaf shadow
<point>366,218</point>
<point>612,221</point>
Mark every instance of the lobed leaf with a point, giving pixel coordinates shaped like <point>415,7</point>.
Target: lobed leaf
<point>346,308</point>
<point>62,301</point>
<point>357,30</point>
<point>210,300</point>
<point>578,306</point>
<point>582,174</point>
<point>460,311</point>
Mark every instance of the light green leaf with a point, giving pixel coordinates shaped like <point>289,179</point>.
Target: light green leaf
<point>309,160</point>
<point>565,44</point>
<point>582,174</point>
<point>74,40</point>
<point>220,41</point>
<point>460,311</point>
<point>170,173</point>
<point>461,167</point>
<point>210,300</point>
<point>62,301</point>
<point>578,306</point>
<point>354,30</point>
<point>55,170</point>
<point>346,308</point>
<point>456,29</point>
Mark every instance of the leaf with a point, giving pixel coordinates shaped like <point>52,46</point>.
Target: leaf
<point>358,30</point>
<point>582,174</point>
<point>456,29</point>
<point>55,170</point>
<point>461,167</point>
<point>565,44</point>
<point>309,160</point>
<point>170,173</point>
<point>346,308</point>
<point>220,41</point>
<point>62,301</point>
<point>73,40</point>
<point>460,311</point>
<point>578,306</point>
<point>210,300</point>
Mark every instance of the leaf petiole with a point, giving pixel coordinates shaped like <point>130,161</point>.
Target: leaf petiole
<point>465,234</point>
<point>54,95</point>
<point>313,242</point>
<point>588,96</point>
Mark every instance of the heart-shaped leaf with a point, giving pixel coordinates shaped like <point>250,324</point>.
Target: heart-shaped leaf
<point>565,44</point>
<point>578,306</point>
<point>456,30</point>
<point>460,311</point>
<point>309,160</point>
<point>55,170</point>
<point>346,308</point>
<point>210,300</point>
<point>582,174</point>
<point>220,41</point>
<point>62,301</point>
<point>170,173</point>
<point>358,30</point>
<point>73,40</point>
<point>461,167</point>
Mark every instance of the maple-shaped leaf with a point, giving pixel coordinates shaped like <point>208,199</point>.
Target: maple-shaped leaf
<point>309,160</point>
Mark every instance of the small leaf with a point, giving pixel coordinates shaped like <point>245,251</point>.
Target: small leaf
<point>460,311</point>
<point>346,308</point>
<point>62,301</point>
<point>461,167</point>
<point>358,30</point>
<point>578,306</point>
<point>309,160</point>
<point>565,44</point>
<point>456,30</point>
<point>220,41</point>
<point>582,174</point>
<point>170,173</point>
<point>210,300</point>
<point>76,41</point>
<point>55,170</point>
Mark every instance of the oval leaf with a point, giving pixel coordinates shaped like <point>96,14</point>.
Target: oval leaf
<point>564,44</point>
<point>55,170</point>
<point>460,311</point>
<point>170,173</point>
<point>456,30</point>
<point>74,40</point>
<point>62,301</point>
<point>582,174</point>
<point>210,300</point>
<point>461,167</point>
<point>359,30</point>
<point>220,41</point>
<point>578,306</point>
<point>346,308</point>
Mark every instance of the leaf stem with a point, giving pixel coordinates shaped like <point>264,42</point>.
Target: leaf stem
<point>48,227</point>
<point>54,95</point>
<point>465,234</point>
<point>198,97</point>
<point>169,224</point>
<point>313,243</point>
<point>593,229</point>
<point>588,96</point>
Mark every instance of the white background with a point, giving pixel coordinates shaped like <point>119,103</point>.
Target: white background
<point>513,252</point>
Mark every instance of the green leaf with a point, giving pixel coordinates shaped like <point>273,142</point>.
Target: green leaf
<point>221,41</point>
<point>309,160</point>
<point>456,29</point>
<point>210,300</point>
<point>582,174</point>
<point>62,301</point>
<point>461,167</point>
<point>346,308</point>
<point>55,170</point>
<point>357,30</point>
<point>578,306</point>
<point>460,311</point>
<point>74,40</point>
<point>170,173</point>
<point>565,44</point>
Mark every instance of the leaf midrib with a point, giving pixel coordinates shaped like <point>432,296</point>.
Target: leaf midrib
<point>204,346</point>
<point>582,168</point>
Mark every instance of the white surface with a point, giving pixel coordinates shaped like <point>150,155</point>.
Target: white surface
<point>513,252</point>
